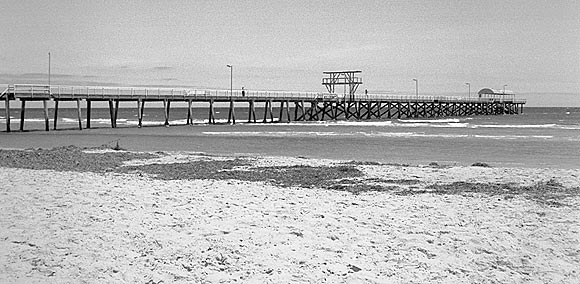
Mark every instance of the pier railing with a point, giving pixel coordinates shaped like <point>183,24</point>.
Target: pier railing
<point>59,92</point>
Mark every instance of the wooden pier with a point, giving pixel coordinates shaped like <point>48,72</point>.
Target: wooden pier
<point>293,106</point>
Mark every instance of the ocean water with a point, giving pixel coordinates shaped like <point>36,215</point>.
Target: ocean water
<point>540,137</point>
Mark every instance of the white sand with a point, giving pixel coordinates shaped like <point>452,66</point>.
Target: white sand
<point>60,227</point>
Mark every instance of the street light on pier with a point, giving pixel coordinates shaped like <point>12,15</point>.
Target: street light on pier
<point>49,68</point>
<point>416,88</point>
<point>231,79</point>
<point>468,89</point>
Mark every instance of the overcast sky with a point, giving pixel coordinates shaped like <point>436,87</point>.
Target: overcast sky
<point>533,45</point>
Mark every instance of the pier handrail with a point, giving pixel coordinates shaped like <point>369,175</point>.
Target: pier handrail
<point>38,91</point>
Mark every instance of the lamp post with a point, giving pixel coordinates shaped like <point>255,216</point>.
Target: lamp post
<point>468,89</point>
<point>416,88</point>
<point>49,68</point>
<point>231,78</point>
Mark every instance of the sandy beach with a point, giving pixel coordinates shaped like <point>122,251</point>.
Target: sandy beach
<point>243,141</point>
<point>182,217</point>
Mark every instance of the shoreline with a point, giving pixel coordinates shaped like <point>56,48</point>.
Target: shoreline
<point>139,217</point>
<point>228,140</point>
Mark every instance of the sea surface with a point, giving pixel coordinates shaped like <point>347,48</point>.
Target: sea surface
<point>540,137</point>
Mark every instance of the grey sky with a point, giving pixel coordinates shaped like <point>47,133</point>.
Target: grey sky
<point>533,46</point>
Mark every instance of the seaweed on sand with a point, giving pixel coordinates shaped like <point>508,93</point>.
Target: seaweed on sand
<point>203,169</point>
<point>550,192</point>
<point>303,176</point>
<point>286,176</point>
<point>67,158</point>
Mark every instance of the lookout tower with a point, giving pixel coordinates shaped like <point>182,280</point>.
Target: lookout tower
<point>342,78</point>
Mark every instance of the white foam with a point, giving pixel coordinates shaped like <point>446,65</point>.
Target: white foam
<point>570,127</point>
<point>273,133</point>
<point>417,134</point>
<point>443,120</point>
<point>35,120</point>
<point>516,126</point>
<point>361,123</point>
<point>452,125</point>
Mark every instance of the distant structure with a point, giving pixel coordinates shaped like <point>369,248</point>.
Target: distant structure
<point>497,95</point>
<point>342,78</point>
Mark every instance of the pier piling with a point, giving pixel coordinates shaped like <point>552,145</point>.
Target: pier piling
<point>211,119</point>
<point>88,114</point>
<point>22,110</point>
<point>79,114</point>
<point>232,113</point>
<point>46,121</point>
<point>189,113</point>
<point>56,114</point>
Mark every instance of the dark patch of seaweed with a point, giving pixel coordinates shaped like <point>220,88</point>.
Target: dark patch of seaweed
<point>67,158</point>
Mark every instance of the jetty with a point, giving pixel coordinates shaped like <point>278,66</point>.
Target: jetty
<point>292,106</point>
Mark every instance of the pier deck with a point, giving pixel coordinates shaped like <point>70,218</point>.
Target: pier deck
<point>307,106</point>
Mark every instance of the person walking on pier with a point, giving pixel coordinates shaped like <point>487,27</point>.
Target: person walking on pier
<point>243,92</point>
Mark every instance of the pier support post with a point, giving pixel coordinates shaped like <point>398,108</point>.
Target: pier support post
<point>271,112</point>
<point>340,109</point>
<point>378,113</point>
<point>347,110</point>
<point>22,109</point>
<point>112,113</point>
<point>142,112</point>
<point>46,121</point>
<point>268,109</point>
<point>189,113</point>
<point>398,110</point>
<point>211,119</point>
<point>139,114</point>
<point>252,112</point>
<point>55,114</point>
<point>288,111</point>
<point>116,112</point>
<point>313,111</point>
<point>281,111</point>
<point>299,106</point>
<point>79,114</point>
<point>232,113</point>
<point>7,110</point>
<point>88,114</point>
<point>284,107</point>
<point>166,106</point>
